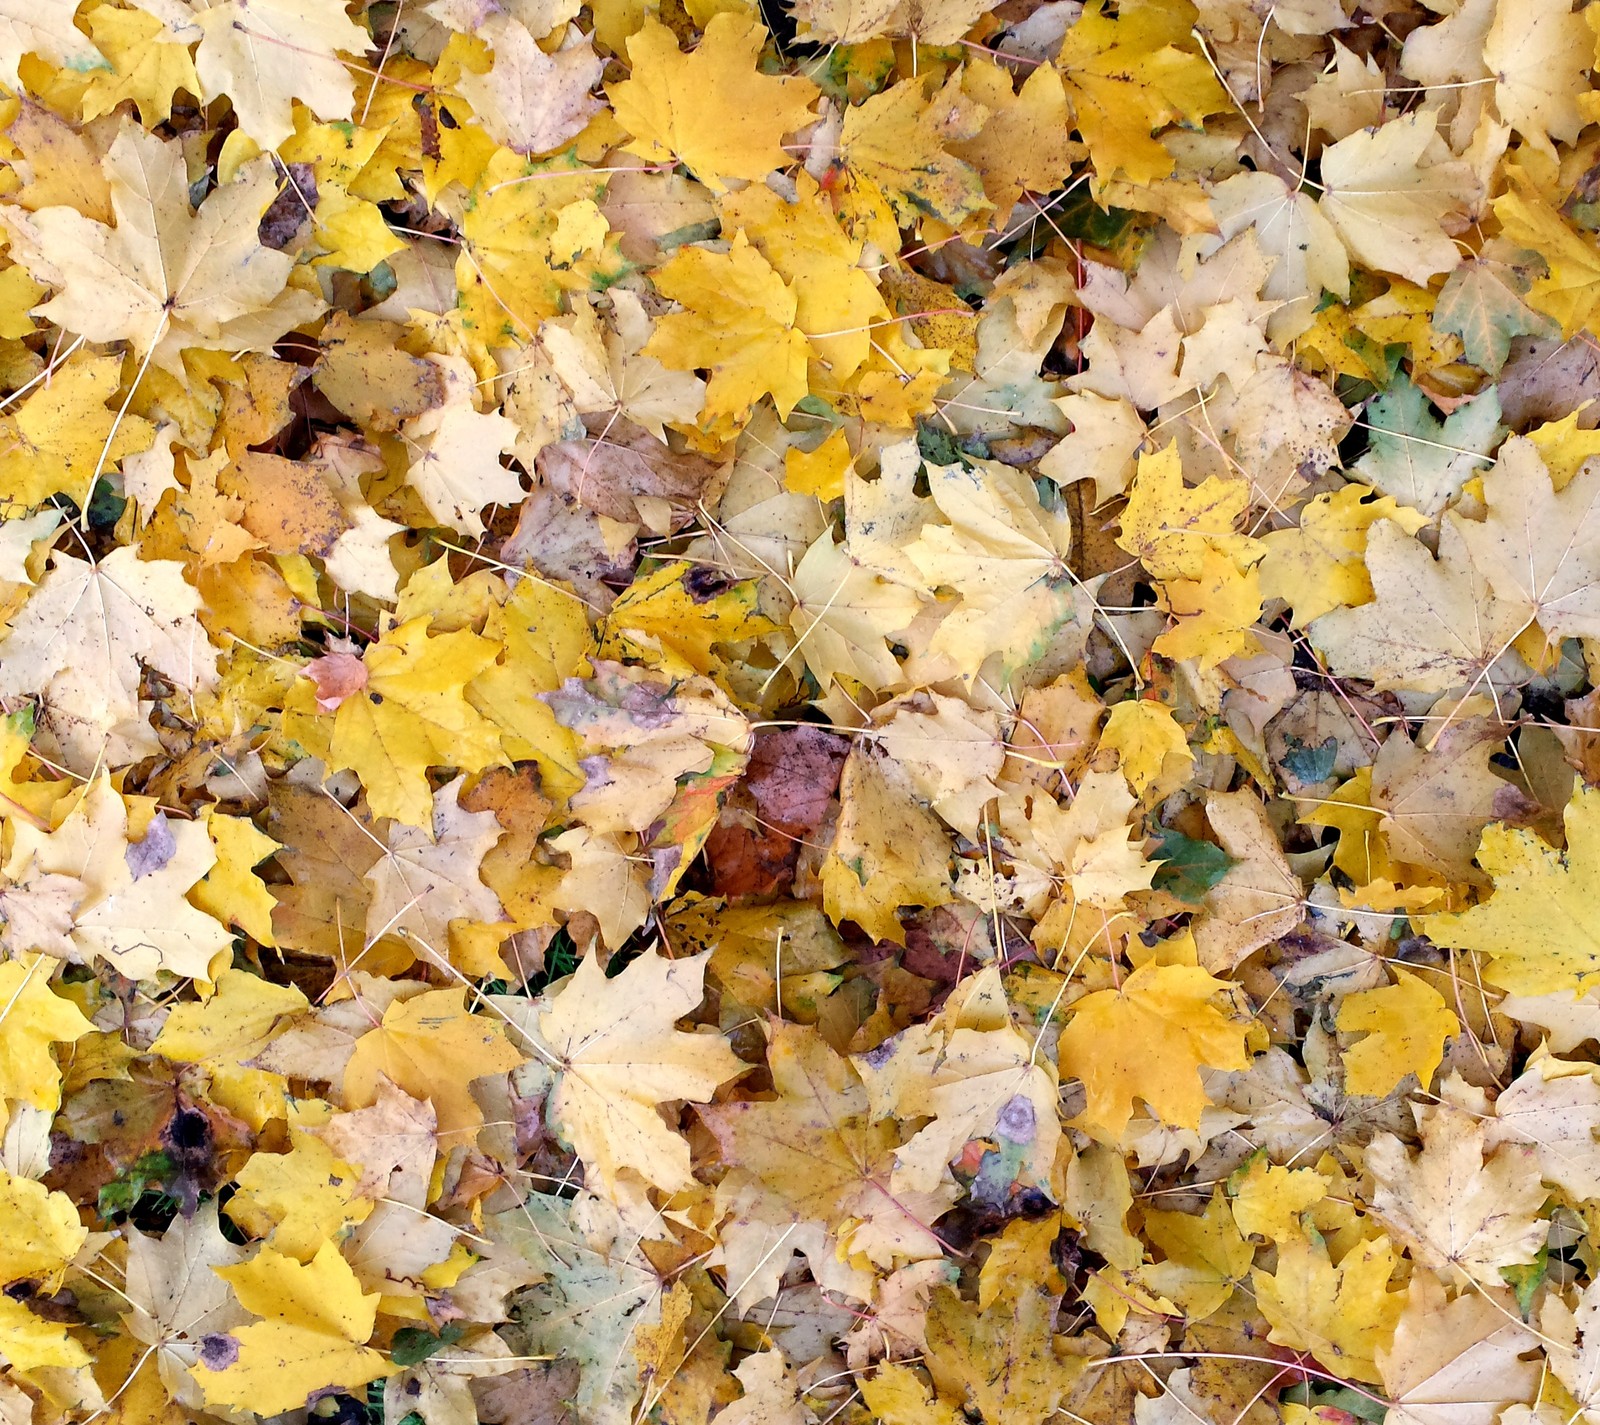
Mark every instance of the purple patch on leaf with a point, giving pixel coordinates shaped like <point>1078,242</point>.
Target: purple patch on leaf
<point>218,1352</point>
<point>1016,1120</point>
<point>154,850</point>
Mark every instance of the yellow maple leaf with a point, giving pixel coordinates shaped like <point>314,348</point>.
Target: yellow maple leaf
<point>738,323</point>
<point>1149,1040</point>
<point>1130,75</point>
<point>299,1200</point>
<point>433,1048</point>
<point>1206,1256</point>
<point>711,110</point>
<point>1146,736</point>
<point>1571,291</point>
<point>231,891</point>
<point>837,304</point>
<point>1344,1315</point>
<point>1318,566</point>
<point>35,1018</point>
<point>894,144</point>
<point>32,1342</point>
<point>149,64</point>
<point>1169,527</point>
<point>57,439</point>
<point>673,617</point>
<point>889,850</point>
<point>316,1321</point>
<point>1406,1025</point>
<point>39,1232</point>
<point>1268,1200</point>
<point>413,714</point>
<point>1539,927</point>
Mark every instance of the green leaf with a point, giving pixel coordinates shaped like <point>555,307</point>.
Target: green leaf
<point>1482,304</point>
<point>413,1345</point>
<point>1419,459</point>
<point>1311,764</point>
<point>1189,868</point>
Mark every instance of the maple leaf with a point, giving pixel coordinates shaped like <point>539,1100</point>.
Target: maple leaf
<point>268,53</point>
<point>710,110</point>
<point>597,1294</point>
<point>1148,1040</point>
<point>36,1018</point>
<point>1005,554</point>
<point>1537,927</point>
<point>175,1297</point>
<point>1570,291</point>
<point>998,1360</point>
<point>1169,527</point>
<point>1318,566</point>
<point>887,852</point>
<point>837,304</point>
<point>976,1076</point>
<point>1114,70</point>
<point>528,100</point>
<point>79,642</point>
<point>1406,1025</point>
<point>896,142</point>
<point>1420,460</point>
<point>164,277</point>
<point>1535,547</point>
<point>819,1152</point>
<point>1482,303</point>
<point>1538,58</point>
<point>738,323</point>
<point>1344,1315</point>
<point>1461,1212</point>
<point>617,1056</point>
<point>63,435</point>
<point>1391,196</point>
<point>42,1232</point>
<point>315,1323</point>
<point>428,878</point>
<point>1554,1110</point>
<point>844,616</point>
<point>413,713</point>
<point>1455,1360</point>
<point>127,899</point>
<point>1414,633</point>
<point>433,1048</point>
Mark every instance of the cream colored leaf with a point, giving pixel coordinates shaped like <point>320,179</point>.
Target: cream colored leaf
<point>1462,1214</point>
<point>455,454</point>
<point>844,616</point>
<point>620,1055</point>
<point>131,912</point>
<point>528,100</point>
<point>44,29</point>
<point>165,277</point>
<point>1554,1108</point>
<point>1260,898</point>
<point>81,639</point>
<point>264,54</point>
<point>1391,191</point>
<point>1456,1362</point>
<point>1539,549</point>
<point>429,877</point>
<point>1434,624</point>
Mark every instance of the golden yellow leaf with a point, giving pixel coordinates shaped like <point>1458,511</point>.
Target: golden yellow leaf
<point>1148,1040</point>
<point>1406,1025</point>
<point>316,1323</point>
<point>711,110</point>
